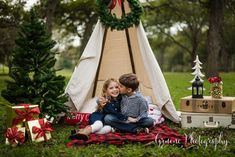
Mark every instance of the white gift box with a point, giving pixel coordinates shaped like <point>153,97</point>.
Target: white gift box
<point>37,132</point>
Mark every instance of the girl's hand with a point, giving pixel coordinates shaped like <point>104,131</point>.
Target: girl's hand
<point>102,101</point>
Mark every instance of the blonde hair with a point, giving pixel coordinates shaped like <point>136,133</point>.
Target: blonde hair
<point>106,85</point>
<point>104,91</point>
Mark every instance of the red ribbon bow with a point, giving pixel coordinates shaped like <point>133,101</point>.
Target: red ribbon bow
<point>14,136</point>
<point>41,132</point>
<point>113,3</point>
<point>27,114</point>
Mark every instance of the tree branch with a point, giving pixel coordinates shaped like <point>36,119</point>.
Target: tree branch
<point>175,41</point>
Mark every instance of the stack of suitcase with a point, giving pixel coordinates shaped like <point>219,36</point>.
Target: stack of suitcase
<point>207,112</point>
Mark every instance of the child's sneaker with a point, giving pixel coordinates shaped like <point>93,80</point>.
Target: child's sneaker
<point>142,130</point>
<point>113,130</point>
<point>74,131</point>
<point>146,130</point>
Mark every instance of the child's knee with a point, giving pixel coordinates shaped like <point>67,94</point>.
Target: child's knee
<point>99,124</point>
<point>108,119</point>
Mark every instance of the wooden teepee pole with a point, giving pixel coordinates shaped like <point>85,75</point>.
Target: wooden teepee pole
<point>129,43</point>
<point>101,57</point>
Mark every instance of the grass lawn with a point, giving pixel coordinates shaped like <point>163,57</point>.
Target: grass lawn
<point>178,84</point>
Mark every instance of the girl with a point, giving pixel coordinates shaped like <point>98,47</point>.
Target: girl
<point>111,92</point>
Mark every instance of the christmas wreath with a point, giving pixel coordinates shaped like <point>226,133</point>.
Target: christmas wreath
<point>111,20</point>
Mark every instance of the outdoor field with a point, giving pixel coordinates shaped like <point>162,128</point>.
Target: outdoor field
<point>178,84</point>
<point>62,56</point>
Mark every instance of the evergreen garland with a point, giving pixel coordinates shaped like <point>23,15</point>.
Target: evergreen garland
<point>125,21</point>
<point>33,78</point>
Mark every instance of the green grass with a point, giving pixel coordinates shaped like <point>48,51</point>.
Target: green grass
<point>177,83</point>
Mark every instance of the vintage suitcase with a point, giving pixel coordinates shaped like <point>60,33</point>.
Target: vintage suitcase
<point>207,120</point>
<point>208,104</point>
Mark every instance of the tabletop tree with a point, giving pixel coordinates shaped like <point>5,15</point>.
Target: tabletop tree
<point>197,71</point>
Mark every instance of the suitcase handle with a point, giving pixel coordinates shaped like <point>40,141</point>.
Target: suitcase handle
<point>216,125</point>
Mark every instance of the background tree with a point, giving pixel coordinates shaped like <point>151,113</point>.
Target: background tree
<point>34,79</point>
<point>177,30</point>
<point>10,17</point>
<point>76,18</point>
<point>227,59</point>
<point>166,15</point>
<point>215,36</point>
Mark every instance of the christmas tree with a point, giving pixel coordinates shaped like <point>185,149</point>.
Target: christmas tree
<point>33,77</point>
<point>197,71</point>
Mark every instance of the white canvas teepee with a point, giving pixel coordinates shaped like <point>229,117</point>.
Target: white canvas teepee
<point>111,54</point>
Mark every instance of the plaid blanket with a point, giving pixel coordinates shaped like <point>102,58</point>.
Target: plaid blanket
<point>160,134</point>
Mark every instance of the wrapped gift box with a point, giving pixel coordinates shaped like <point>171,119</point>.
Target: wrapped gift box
<point>40,130</point>
<point>17,115</point>
<point>15,136</point>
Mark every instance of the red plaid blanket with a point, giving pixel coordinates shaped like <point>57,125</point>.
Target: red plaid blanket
<point>160,134</point>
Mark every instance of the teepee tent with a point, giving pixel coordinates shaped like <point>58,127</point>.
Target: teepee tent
<point>111,53</point>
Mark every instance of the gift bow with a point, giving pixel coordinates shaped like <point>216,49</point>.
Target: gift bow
<point>27,114</point>
<point>41,132</point>
<point>14,136</point>
<point>113,4</point>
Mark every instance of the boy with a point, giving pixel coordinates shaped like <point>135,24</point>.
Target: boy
<point>133,106</point>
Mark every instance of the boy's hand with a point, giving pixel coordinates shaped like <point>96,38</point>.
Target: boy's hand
<point>131,120</point>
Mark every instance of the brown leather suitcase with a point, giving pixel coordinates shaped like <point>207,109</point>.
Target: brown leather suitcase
<point>207,105</point>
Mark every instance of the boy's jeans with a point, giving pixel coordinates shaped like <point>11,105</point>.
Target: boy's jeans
<point>112,120</point>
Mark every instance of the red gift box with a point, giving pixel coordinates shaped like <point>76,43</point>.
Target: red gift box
<point>16,115</point>
<point>15,136</point>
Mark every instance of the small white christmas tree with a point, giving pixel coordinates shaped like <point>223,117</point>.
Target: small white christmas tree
<point>197,71</point>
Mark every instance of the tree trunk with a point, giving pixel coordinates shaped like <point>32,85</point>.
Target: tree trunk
<point>224,61</point>
<point>50,10</point>
<point>214,45</point>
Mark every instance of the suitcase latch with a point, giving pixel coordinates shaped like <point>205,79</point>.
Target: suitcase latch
<point>233,118</point>
<point>210,119</point>
<point>189,119</point>
<point>223,104</point>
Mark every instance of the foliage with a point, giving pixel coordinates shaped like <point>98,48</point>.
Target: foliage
<point>165,15</point>
<point>56,146</point>
<point>75,18</point>
<point>10,18</point>
<point>125,21</point>
<point>33,78</point>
